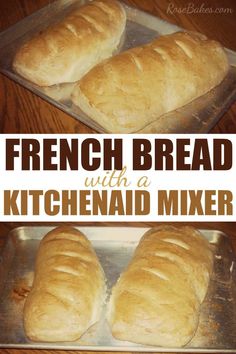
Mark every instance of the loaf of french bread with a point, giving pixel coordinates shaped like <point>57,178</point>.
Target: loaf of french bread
<point>65,51</point>
<point>157,299</point>
<point>134,88</point>
<point>68,290</point>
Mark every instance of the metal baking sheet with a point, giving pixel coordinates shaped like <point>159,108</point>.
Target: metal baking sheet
<point>114,246</point>
<point>197,117</point>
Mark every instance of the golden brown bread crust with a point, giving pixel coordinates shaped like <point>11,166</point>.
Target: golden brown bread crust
<point>134,88</point>
<point>68,291</point>
<point>157,299</point>
<point>64,52</point>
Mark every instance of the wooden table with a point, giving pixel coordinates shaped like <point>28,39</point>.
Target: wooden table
<point>23,112</point>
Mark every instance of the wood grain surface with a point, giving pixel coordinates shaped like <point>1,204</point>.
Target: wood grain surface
<point>23,112</point>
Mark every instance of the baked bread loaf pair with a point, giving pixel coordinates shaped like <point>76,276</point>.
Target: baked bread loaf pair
<point>68,291</point>
<point>65,51</point>
<point>157,299</point>
<point>125,93</point>
<point>130,90</point>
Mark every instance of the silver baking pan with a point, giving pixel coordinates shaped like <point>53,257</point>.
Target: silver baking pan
<point>114,246</point>
<point>197,117</point>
